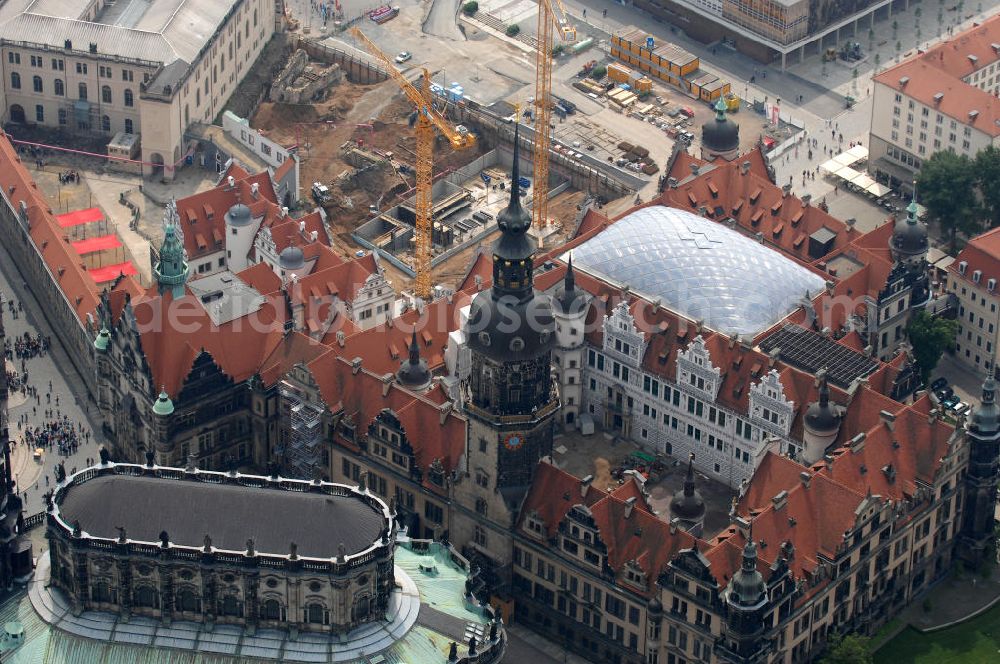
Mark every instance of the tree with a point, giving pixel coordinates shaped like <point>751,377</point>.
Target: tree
<point>598,72</point>
<point>947,189</point>
<point>988,178</point>
<point>930,337</point>
<point>470,8</point>
<point>513,30</point>
<point>848,649</point>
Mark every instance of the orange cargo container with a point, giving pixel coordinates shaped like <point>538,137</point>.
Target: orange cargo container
<point>644,85</point>
<point>619,73</point>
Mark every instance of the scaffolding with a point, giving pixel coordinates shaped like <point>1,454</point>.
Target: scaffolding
<point>305,435</point>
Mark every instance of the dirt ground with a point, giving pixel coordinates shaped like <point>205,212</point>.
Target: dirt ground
<point>376,116</point>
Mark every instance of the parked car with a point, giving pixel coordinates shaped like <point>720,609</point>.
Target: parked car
<point>960,408</point>
<point>944,393</point>
<point>938,383</point>
<point>403,57</point>
<point>950,402</point>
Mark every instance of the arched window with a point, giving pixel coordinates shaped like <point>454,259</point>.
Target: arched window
<point>105,123</point>
<point>15,80</point>
<point>187,601</point>
<point>36,83</point>
<point>82,89</point>
<point>101,592</point>
<point>230,606</point>
<point>362,606</point>
<point>129,99</point>
<point>271,610</point>
<point>146,597</point>
<point>315,614</point>
<point>106,94</point>
<point>128,126</point>
<point>60,87</point>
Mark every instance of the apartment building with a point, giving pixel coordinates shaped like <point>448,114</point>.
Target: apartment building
<point>107,68</point>
<point>972,280</point>
<point>942,99</point>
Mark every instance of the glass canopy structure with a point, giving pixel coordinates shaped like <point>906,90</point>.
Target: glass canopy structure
<point>699,269</point>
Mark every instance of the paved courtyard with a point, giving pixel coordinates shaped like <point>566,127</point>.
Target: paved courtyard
<point>67,391</point>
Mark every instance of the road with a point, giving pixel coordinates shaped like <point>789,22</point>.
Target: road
<point>441,20</point>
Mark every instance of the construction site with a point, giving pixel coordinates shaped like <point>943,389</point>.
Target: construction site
<point>358,145</point>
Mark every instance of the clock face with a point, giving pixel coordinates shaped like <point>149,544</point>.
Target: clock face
<point>513,441</point>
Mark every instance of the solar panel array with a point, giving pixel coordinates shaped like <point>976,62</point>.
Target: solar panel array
<point>810,351</point>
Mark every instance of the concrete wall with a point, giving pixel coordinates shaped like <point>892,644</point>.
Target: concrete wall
<point>357,68</point>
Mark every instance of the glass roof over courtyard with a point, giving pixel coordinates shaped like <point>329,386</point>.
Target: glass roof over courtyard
<point>699,268</point>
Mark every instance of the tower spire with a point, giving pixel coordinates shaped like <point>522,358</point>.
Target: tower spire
<point>569,282</point>
<point>171,270</point>
<point>689,478</point>
<point>413,371</point>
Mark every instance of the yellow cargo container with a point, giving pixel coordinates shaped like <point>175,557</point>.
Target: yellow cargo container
<point>644,85</point>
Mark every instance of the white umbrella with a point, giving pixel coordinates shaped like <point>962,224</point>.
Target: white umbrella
<point>846,159</point>
<point>877,189</point>
<point>847,173</point>
<point>862,181</point>
<point>859,152</point>
<point>831,166</point>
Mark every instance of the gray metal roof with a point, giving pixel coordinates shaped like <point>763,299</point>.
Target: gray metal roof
<point>699,268</point>
<point>157,30</point>
<point>230,514</point>
<point>226,297</point>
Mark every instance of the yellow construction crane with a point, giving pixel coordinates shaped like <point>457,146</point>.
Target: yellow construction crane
<point>548,20</point>
<point>426,120</point>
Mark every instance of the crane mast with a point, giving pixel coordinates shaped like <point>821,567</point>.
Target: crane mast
<point>427,120</point>
<point>548,21</point>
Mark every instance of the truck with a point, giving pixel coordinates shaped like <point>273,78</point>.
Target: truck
<point>321,193</point>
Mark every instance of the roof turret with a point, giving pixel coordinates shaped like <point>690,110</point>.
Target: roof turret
<point>163,405</point>
<point>103,340</point>
<point>822,417</point>
<point>171,271</point>
<point>413,372</point>
<point>687,503</point>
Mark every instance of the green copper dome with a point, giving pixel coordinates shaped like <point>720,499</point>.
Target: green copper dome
<point>163,406</point>
<point>102,340</point>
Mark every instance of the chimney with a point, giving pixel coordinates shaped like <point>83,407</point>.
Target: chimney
<point>806,200</point>
<point>826,332</point>
<point>231,181</point>
<point>355,366</point>
<point>745,167</point>
<point>255,190</point>
<point>743,526</point>
<point>889,419</point>
<point>780,500</point>
<point>806,478</point>
<point>850,224</point>
<point>785,190</point>
<point>629,506</point>
<point>702,210</point>
<point>585,485</point>
<point>284,212</point>
<point>672,182</point>
<point>828,460</point>
<point>340,338</point>
<point>759,237</point>
<point>656,305</point>
<point>673,525</point>
<point>694,169</point>
<point>314,235</point>
<point>857,443</point>
<point>479,283</point>
<point>772,357</point>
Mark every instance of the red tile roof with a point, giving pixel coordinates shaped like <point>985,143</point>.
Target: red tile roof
<point>53,244</point>
<point>941,70</point>
<point>982,254</point>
